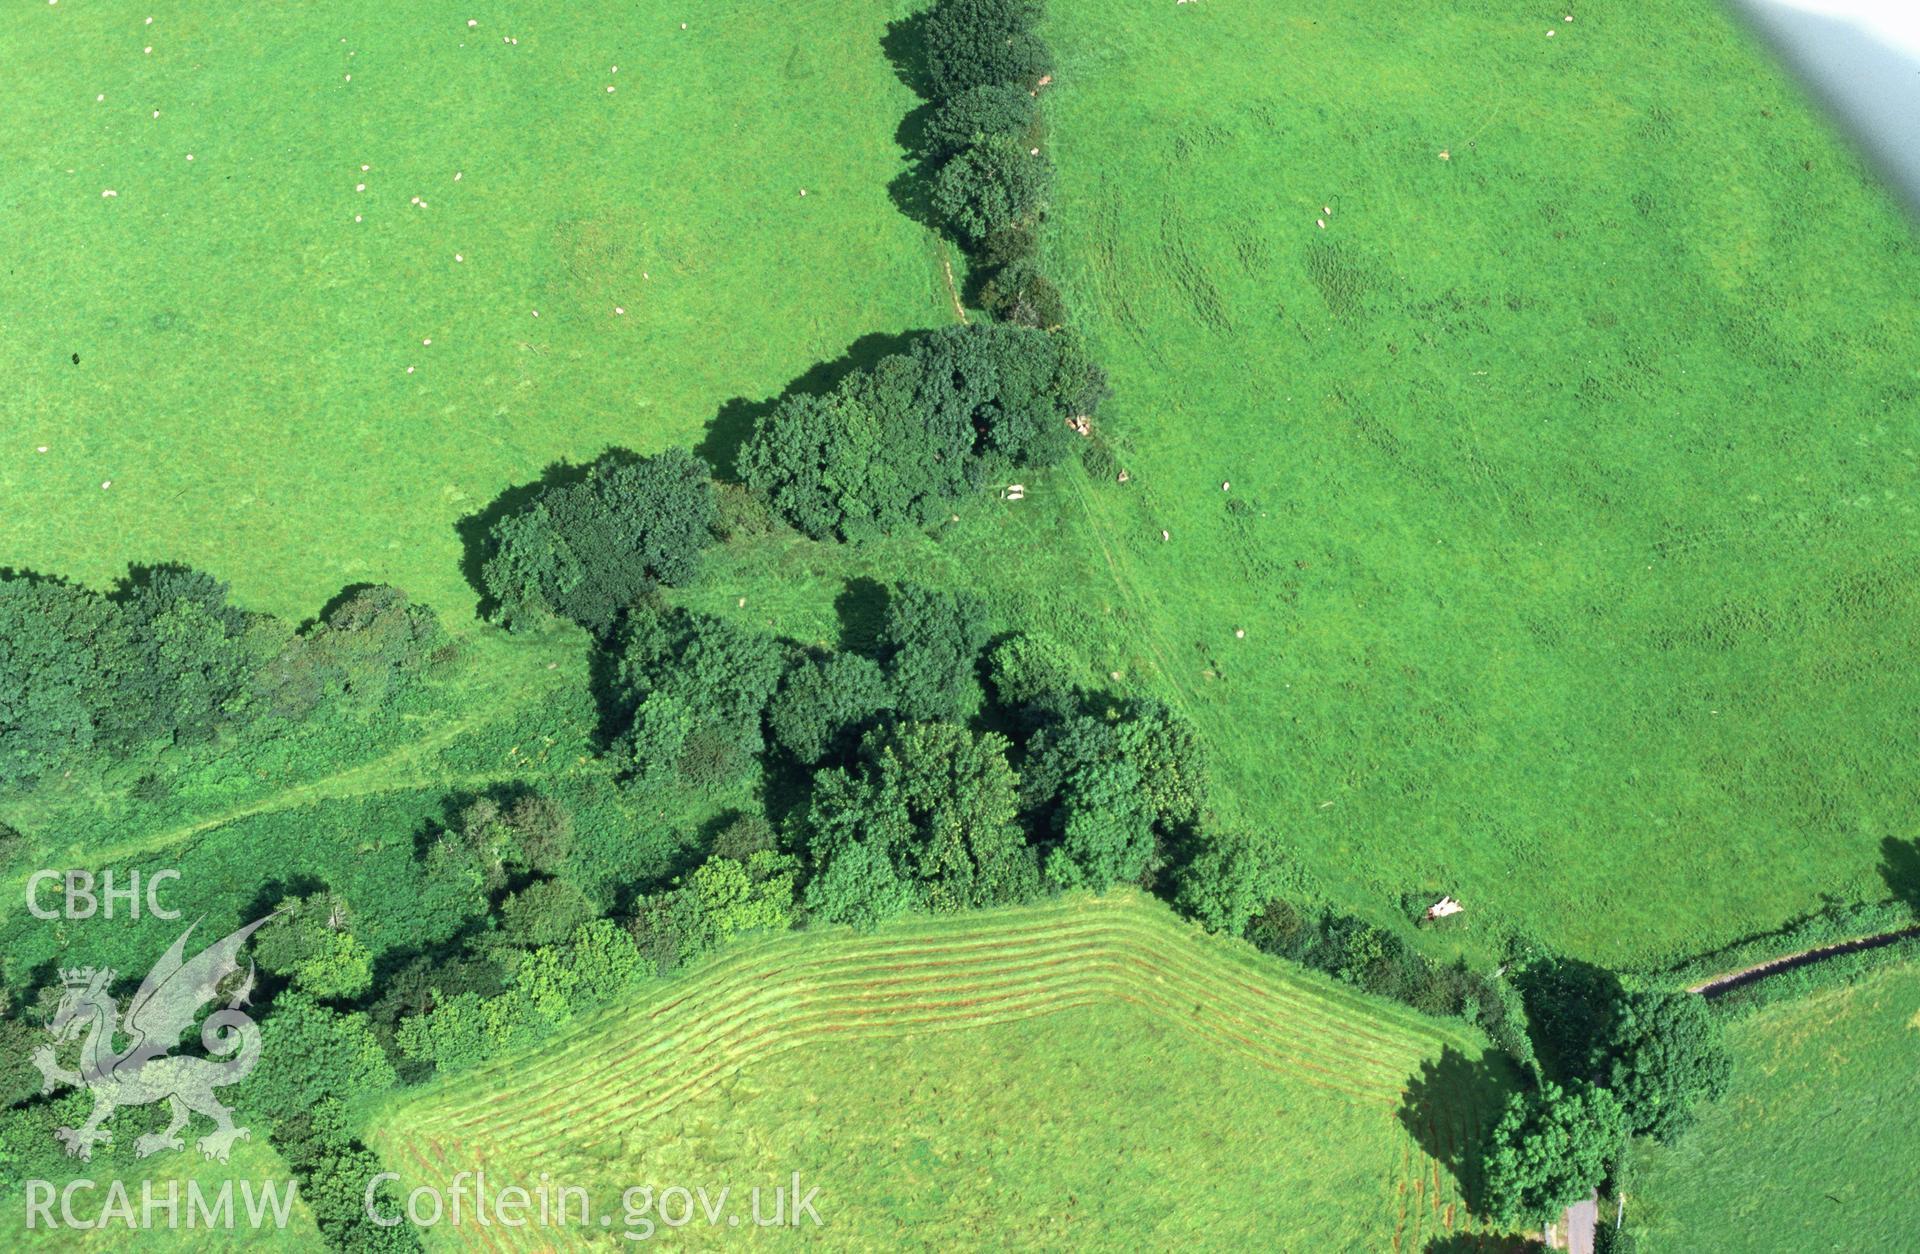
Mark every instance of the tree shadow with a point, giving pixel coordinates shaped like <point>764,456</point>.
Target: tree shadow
<point>476,529</point>
<point>334,604</point>
<point>905,46</point>
<point>862,610</point>
<point>1571,1004</point>
<point>1900,867</point>
<point>728,433</point>
<point>613,701</point>
<point>911,190</point>
<point>1480,1243</point>
<point>276,891</point>
<point>1448,1106</point>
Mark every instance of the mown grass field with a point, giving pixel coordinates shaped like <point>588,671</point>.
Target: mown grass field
<point>1573,500</point>
<point>1813,1149</point>
<point>1016,1077</point>
<point>244,343</point>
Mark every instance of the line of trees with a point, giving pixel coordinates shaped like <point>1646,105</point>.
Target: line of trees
<point>983,151</point>
<point>941,770</point>
<point>163,667</point>
<point>1604,1062</point>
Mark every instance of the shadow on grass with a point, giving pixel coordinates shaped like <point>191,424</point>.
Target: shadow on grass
<point>862,610</point>
<point>728,433</point>
<point>911,190</point>
<point>1900,868</point>
<point>1571,1005</point>
<point>1447,1108</point>
<point>1480,1243</point>
<point>905,46</point>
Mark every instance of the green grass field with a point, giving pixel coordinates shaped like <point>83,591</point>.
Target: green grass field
<point>1569,516</point>
<point>1011,1078</point>
<point>1814,1147</point>
<point>244,343</point>
<point>1562,389</point>
<point>1572,514</point>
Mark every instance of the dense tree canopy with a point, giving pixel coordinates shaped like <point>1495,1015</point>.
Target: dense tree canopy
<point>925,821</point>
<point>896,444</point>
<point>1112,793</point>
<point>992,185</point>
<point>863,457</point>
<point>1231,878</point>
<point>589,549</point>
<point>1033,674</point>
<point>977,114</point>
<point>932,641</point>
<point>1550,1148</point>
<point>697,689</point>
<point>1663,1054</point>
<point>162,662</point>
<point>972,43</point>
<point>311,941</point>
<point>825,702</point>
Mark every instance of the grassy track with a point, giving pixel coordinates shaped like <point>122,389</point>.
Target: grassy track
<point>244,343</point>
<point>601,1106</point>
<point>1814,1147</point>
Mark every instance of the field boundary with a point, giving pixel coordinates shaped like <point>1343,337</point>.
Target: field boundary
<point>1806,957</point>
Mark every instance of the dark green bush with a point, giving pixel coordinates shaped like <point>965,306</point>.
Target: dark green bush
<point>1020,294</point>
<point>973,43</point>
<point>588,550</point>
<point>897,443</point>
<point>992,186</point>
<point>974,115</point>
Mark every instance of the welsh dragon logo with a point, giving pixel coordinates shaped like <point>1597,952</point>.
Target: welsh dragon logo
<point>159,1013</point>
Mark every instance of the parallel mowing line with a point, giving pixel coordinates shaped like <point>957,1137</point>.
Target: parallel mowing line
<point>736,1052</point>
<point>1310,1003</point>
<point>839,953</point>
<point>535,1080</point>
<point>736,997</point>
<point>722,979</point>
<point>852,1015</point>
<point>1393,1069</point>
<point>732,1041</point>
<point>899,989</point>
<point>611,1120</point>
<point>958,1013</point>
<point>1199,975</point>
<point>620,1121</point>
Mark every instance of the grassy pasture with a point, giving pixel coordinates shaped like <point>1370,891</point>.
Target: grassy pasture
<point>244,343</point>
<point>1016,1077</point>
<point>1814,1147</point>
<point>1572,510</point>
<point>1569,515</point>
